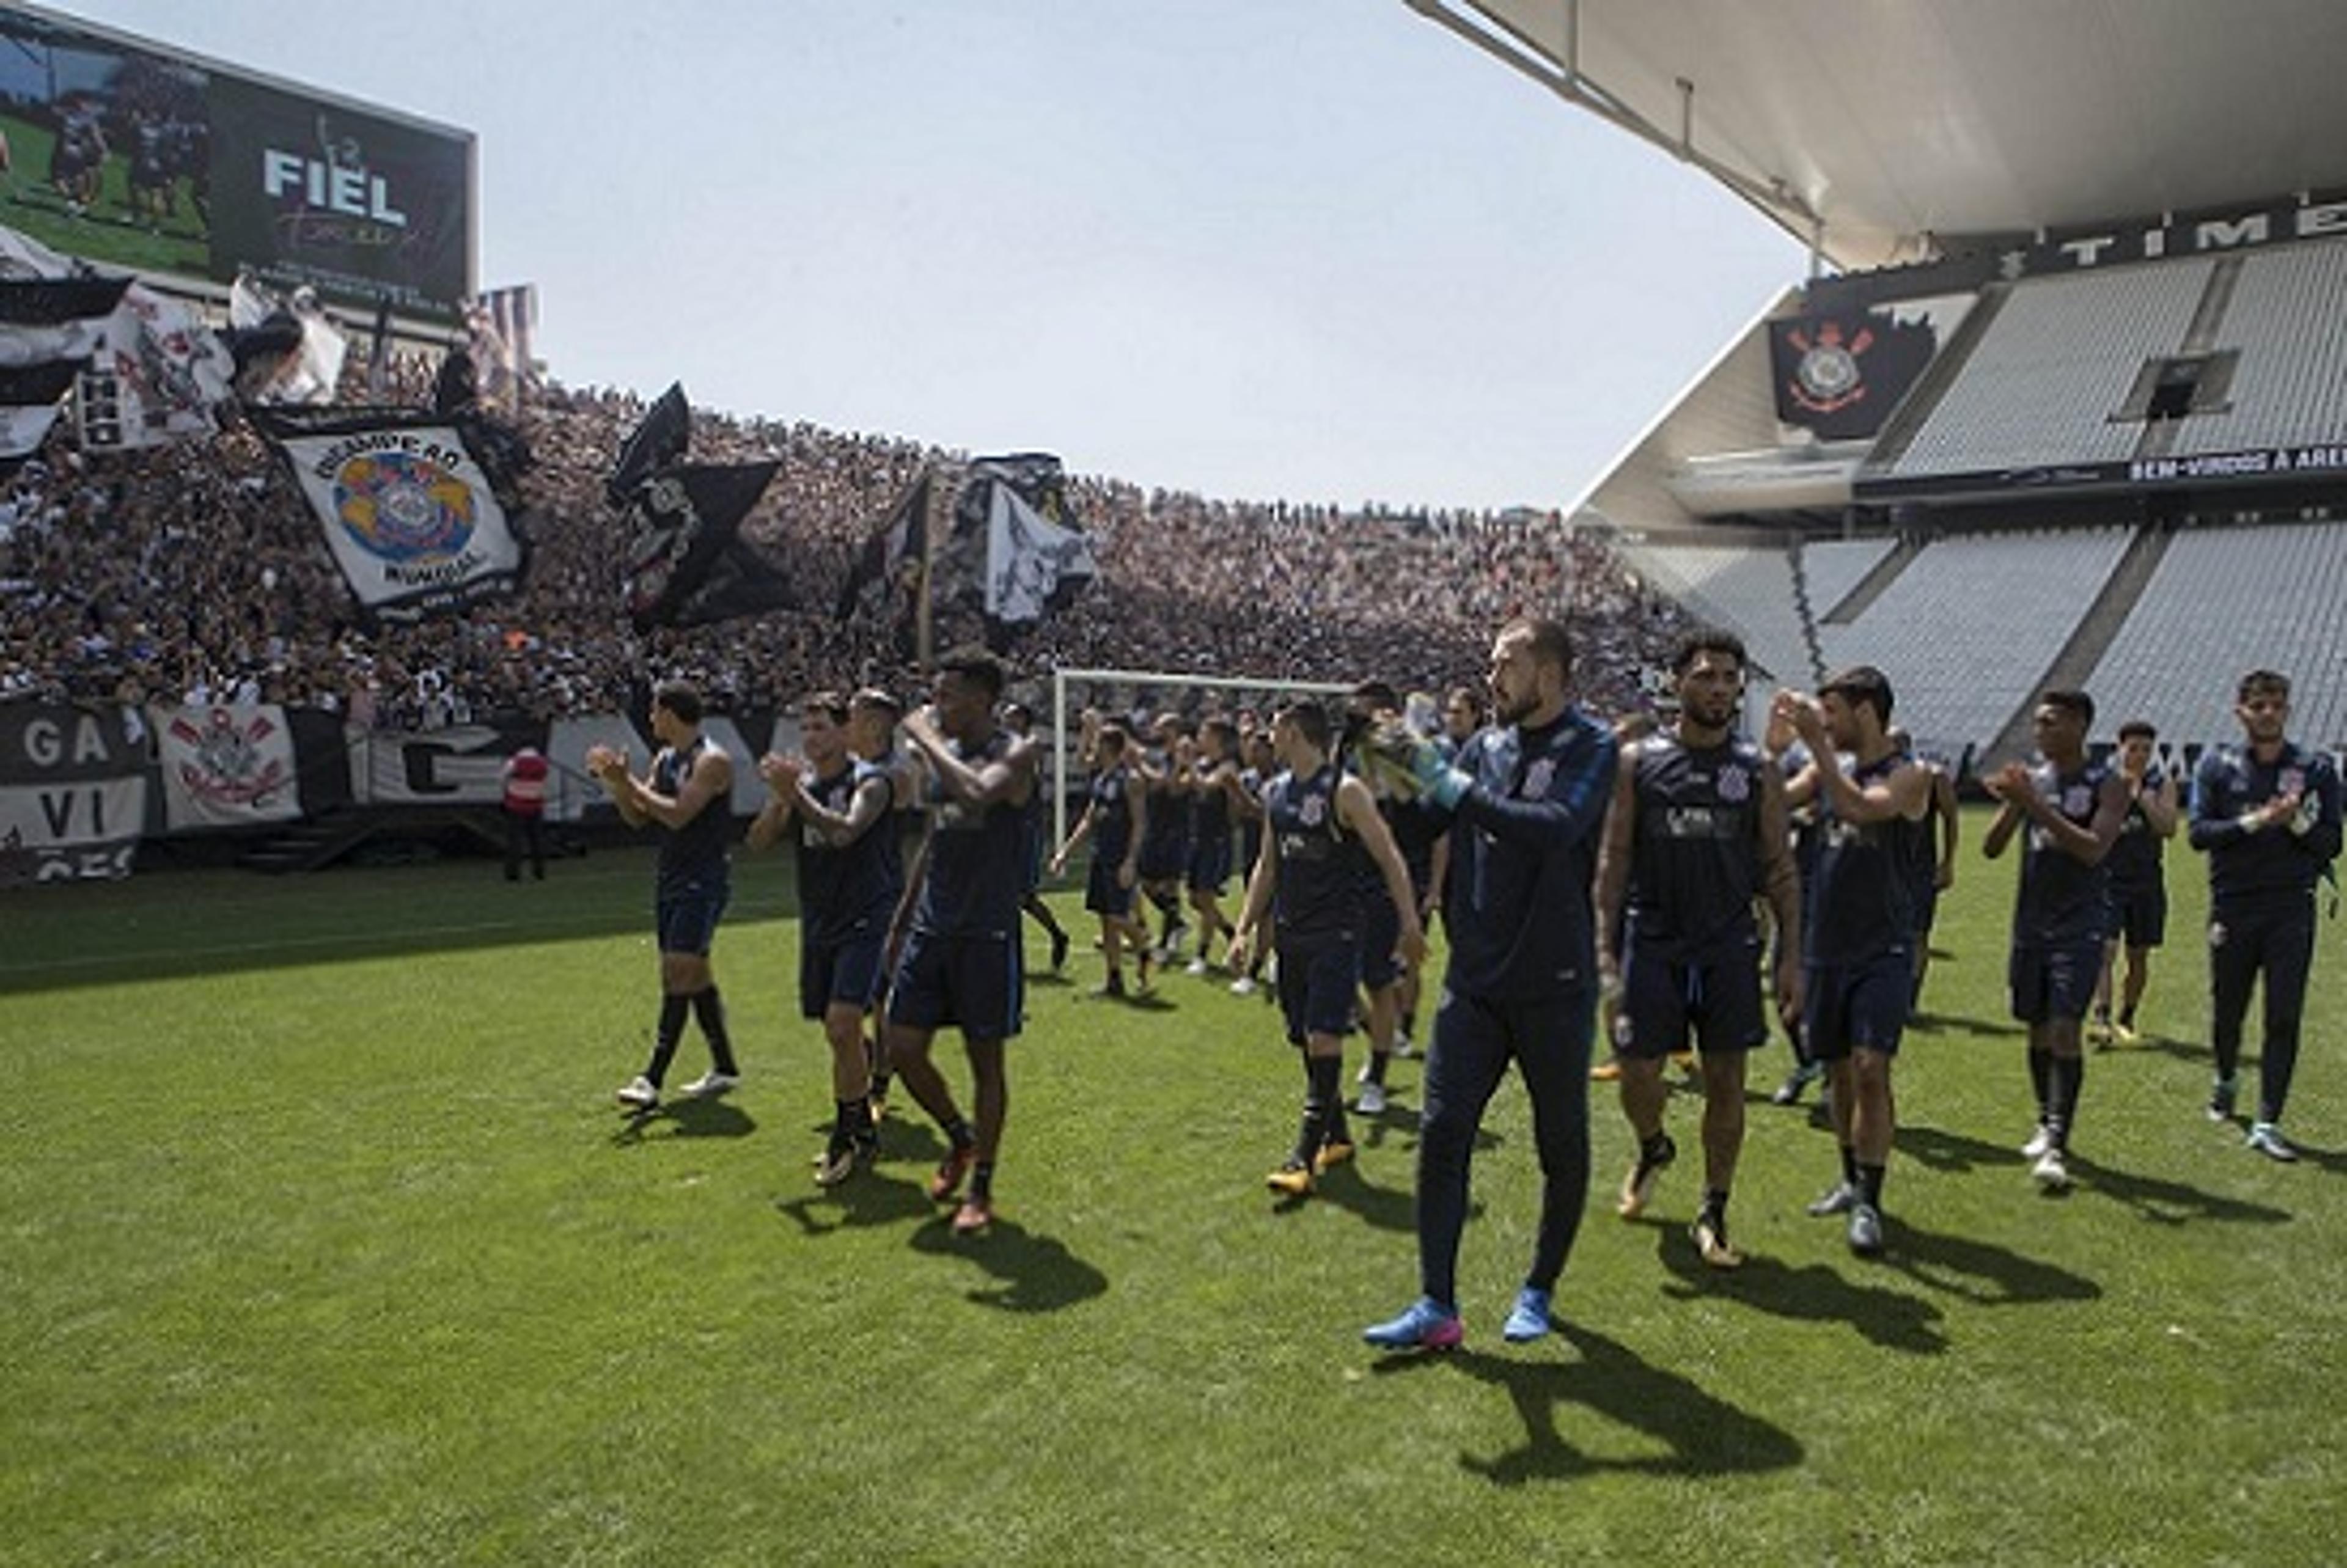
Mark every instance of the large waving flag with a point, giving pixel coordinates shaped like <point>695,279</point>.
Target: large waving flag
<point>662,437</point>
<point>1015,554</point>
<point>688,563</point>
<point>48,328</point>
<point>408,509</point>
<point>902,536</point>
<point>157,375</point>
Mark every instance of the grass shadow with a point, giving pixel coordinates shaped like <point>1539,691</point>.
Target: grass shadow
<point>1033,1273</point>
<point>1936,1148</point>
<point>1981,1272</point>
<point>2167,1203</point>
<point>1704,1435</point>
<point>685,1119</point>
<point>1812,1292</point>
<point>865,1198</point>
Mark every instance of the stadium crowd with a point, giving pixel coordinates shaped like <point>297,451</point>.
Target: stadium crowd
<point>195,572</point>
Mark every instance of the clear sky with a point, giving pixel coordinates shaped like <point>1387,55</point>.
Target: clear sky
<point>1312,249</point>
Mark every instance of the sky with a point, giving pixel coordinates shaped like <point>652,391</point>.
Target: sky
<point>1312,250</point>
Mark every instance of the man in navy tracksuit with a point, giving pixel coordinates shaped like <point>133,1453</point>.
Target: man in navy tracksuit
<point>1527,800</point>
<point>2266,815</point>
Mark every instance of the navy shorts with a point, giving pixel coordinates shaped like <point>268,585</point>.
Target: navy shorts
<point>1103,894</point>
<point>846,970</point>
<point>2139,913</point>
<point>1165,854</point>
<point>686,919</point>
<point>2054,983</point>
<point>1381,931</point>
<point>1210,864</point>
<point>1927,904</point>
<point>1714,994</point>
<point>1030,853</point>
<point>1317,978</point>
<point>1861,1006</point>
<point>976,984</point>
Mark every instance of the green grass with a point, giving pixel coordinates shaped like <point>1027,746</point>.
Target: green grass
<point>109,232</point>
<point>321,1243</point>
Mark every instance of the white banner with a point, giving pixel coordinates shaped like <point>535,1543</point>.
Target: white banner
<point>408,514</point>
<point>462,764</point>
<point>154,377</point>
<point>225,766</point>
<point>1027,555</point>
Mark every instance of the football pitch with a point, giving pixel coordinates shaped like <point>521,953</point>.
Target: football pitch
<point>324,1244</point>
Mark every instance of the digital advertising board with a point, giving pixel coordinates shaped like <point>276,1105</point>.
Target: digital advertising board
<point>139,155</point>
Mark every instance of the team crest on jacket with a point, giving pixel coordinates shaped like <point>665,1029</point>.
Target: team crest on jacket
<point>2077,800</point>
<point>1310,809</point>
<point>2292,781</point>
<point>1735,784</point>
<point>1537,778</point>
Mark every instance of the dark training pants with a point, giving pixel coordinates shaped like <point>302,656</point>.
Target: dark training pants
<point>2277,940</point>
<point>1474,1040</point>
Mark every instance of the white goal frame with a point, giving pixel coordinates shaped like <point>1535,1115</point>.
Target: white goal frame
<point>1061,739</point>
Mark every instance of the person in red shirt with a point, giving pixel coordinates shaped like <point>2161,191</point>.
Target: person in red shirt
<point>524,775</point>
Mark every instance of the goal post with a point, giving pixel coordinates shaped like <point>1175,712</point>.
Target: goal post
<point>1155,679</point>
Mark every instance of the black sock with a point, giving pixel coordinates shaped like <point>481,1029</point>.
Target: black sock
<point>709,1010</point>
<point>2127,1018</point>
<point>1654,1150</point>
<point>1410,1025</point>
<point>671,1029</point>
<point>1870,1185</point>
<point>1378,1060</point>
<point>1849,1166</point>
<point>981,1181</point>
<point>855,1122</point>
<point>958,1132</point>
<point>1320,1101</point>
<point>1714,1204</point>
<point>2041,1079</point>
<point>2069,1075</point>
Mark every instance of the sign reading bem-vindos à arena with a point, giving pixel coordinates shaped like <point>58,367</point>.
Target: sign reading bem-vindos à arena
<point>141,156</point>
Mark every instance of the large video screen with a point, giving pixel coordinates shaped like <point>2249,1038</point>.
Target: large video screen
<point>139,158</point>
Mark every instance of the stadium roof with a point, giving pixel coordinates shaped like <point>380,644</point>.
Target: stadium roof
<point>1885,131</point>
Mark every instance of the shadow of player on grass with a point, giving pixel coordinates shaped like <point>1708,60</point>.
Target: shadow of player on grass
<point>685,1119</point>
<point>1033,1273</point>
<point>1703,1435</point>
<point>1811,1293</point>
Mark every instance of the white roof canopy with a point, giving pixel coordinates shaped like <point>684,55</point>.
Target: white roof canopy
<point>1883,129</point>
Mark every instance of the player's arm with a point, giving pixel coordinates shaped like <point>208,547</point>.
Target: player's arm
<point>1076,836</point>
<point>1438,878</point>
<point>1136,804</point>
<point>866,807</point>
<point>2161,810</point>
<point>910,900</point>
<point>712,777</point>
<point>1357,808</point>
<point>2316,823</point>
<point>1781,882</point>
<point>1569,813</point>
<point>2010,788</point>
<point>1613,853</point>
<point>2215,822</point>
<point>1007,780</point>
<point>1943,797</point>
<point>1242,804</point>
<point>1261,883</point>
<point>609,768</point>
<point>773,818</point>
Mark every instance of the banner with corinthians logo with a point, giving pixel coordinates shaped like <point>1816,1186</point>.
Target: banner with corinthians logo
<point>407,511</point>
<point>1841,373</point>
<point>225,766</point>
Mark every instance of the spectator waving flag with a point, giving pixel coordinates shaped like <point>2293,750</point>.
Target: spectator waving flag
<point>408,509</point>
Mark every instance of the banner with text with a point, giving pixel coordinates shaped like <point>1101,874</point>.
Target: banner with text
<point>73,793</point>
<point>225,766</point>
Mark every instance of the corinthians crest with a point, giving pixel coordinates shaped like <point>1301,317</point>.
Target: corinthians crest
<point>225,759</point>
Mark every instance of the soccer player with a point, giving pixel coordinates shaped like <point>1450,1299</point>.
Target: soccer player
<point>1695,834</point>
<point>849,879</point>
<point>1215,799</point>
<point>1114,814</point>
<point>1859,968</point>
<point>2138,914</point>
<point>2266,813</point>
<point>1370,704</point>
<point>1019,719</point>
<point>873,715</point>
<point>961,963</point>
<point>1527,800</point>
<point>1262,767</point>
<point>2073,808</point>
<point>1165,836</point>
<point>1322,829</point>
<point>684,796</point>
<point>1934,873</point>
